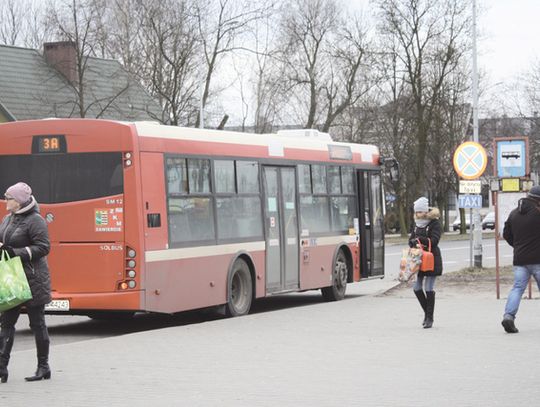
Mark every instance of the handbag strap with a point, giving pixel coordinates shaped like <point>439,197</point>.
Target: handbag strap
<point>422,246</point>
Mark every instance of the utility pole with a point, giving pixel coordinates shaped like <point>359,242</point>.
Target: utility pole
<point>477,223</point>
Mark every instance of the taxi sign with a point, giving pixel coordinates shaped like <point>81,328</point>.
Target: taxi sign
<point>469,201</point>
<point>470,160</point>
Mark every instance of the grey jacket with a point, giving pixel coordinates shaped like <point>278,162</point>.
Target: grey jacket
<point>26,232</point>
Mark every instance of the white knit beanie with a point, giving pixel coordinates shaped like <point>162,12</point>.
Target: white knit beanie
<point>421,205</point>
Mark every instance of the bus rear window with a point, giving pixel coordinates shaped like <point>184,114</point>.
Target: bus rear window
<point>65,177</point>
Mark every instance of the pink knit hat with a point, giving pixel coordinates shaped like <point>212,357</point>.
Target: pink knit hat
<point>21,192</point>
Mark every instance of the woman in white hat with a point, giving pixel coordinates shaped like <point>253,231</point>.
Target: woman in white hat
<point>426,230</point>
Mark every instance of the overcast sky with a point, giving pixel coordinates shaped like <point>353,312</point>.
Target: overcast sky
<point>509,39</point>
<point>508,35</point>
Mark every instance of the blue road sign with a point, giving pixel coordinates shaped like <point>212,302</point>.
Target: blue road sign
<point>469,201</point>
<point>511,158</point>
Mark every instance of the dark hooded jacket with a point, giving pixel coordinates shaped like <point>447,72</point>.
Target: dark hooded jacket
<point>522,232</point>
<point>432,231</point>
<point>26,232</point>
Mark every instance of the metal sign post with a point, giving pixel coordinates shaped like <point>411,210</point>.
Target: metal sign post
<point>471,240</point>
<point>471,202</point>
<point>470,161</point>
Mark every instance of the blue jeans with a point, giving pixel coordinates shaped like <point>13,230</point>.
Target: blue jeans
<point>522,274</point>
<point>429,282</point>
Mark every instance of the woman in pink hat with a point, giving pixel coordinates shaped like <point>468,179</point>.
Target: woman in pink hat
<point>23,233</point>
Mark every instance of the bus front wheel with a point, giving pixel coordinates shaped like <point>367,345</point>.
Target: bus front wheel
<point>340,273</point>
<point>240,292</point>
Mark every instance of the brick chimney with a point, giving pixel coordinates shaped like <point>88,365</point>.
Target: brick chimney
<point>63,57</point>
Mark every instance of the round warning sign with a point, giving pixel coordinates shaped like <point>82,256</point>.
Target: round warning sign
<point>470,160</point>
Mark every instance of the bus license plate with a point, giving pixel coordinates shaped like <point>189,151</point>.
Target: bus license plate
<point>57,305</point>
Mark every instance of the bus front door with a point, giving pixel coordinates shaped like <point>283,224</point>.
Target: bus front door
<point>281,229</point>
<point>371,224</point>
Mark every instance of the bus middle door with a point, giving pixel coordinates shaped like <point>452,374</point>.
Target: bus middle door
<point>371,222</point>
<point>281,229</point>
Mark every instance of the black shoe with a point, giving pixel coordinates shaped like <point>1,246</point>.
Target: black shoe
<point>430,307</point>
<point>42,373</point>
<point>509,326</point>
<point>3,376</point>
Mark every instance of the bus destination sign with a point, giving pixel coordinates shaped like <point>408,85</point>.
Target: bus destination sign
<point>49,144</point>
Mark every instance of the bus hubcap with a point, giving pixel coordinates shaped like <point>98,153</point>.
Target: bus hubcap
<point>340,274</point>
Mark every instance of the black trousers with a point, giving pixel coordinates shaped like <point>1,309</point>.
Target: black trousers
<point>36,316</point>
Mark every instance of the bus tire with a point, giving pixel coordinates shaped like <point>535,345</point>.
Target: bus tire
<point>239,290</point>
<point>340,273</point>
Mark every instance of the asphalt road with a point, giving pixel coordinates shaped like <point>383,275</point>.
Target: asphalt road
<point>68,329</point>
<point>455,254</point>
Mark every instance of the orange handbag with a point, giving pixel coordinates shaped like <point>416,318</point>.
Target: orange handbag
<point>428,261</point>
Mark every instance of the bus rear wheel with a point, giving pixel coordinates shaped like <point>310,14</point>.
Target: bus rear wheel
<point>340,274</point>
<point>240,292</point>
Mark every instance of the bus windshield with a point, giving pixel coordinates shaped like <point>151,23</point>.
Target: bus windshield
<point>62,178</point>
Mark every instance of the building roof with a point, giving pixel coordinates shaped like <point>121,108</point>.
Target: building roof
<point>32,89</point>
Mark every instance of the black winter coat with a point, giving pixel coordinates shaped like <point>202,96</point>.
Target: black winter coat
<point>522,232</point>
<point>433,232</point>
<point>26,232</point>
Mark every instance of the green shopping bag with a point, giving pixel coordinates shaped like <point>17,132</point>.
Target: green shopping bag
<point>14,288</point>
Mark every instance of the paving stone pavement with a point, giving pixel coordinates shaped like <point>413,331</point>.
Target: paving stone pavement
<point>367,350</point>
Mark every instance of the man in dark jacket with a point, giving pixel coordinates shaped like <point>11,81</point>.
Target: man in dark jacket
<point>522,232</point>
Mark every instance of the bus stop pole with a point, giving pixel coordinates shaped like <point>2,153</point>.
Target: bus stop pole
<point>497,282</point>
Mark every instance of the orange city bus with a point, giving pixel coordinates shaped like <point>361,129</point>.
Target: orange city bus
<point>145,217</point>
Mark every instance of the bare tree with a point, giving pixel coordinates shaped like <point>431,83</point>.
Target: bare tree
<point>77,21</point>
<point>324,56</point>
<point>307,27</point>
<point>169,43</point>
<point>124,40</point>
<point>11,21</point>
<point>269,92</point>
<point>391,126</point>
<point>432,37</point>
<point>22,23</point>
<point>221,25</point>
<point>451,119</point>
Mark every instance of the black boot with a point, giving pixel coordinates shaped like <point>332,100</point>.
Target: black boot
<point>43,370</point>
<point>430,307</point>
<point>6,344</point>
<point>423,302</point>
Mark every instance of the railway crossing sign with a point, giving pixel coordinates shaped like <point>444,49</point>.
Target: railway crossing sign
<point>470,160</point>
